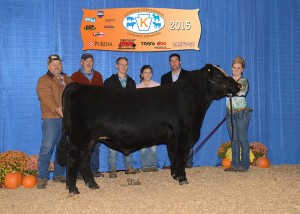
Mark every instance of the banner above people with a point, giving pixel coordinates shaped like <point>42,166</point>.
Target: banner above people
<point>140,29</point>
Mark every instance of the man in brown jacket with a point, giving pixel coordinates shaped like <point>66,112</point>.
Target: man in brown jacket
<point>49,89</point>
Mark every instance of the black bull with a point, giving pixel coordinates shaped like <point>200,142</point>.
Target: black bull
<point>130,119</point>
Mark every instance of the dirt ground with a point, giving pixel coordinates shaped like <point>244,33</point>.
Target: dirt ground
<point>210,190</point>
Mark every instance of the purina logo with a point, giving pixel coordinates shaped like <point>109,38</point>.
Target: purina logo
<point>143,22</point>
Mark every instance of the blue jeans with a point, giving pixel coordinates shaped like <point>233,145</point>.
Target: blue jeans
<point>112,160</point>
<point>95,158</point>
<point>240,138</point>
<point>51,134</point>
<point>148,157</point>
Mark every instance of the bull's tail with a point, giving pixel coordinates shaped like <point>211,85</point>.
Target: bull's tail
<point>62,148</point>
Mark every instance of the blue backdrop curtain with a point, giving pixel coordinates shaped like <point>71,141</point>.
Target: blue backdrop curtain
<point>265,33</point>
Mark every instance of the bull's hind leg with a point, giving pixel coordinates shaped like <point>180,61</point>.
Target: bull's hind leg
<point>85,170</point>
<point>72,169</point>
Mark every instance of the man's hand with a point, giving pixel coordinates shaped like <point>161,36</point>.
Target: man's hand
<point>58,110</point>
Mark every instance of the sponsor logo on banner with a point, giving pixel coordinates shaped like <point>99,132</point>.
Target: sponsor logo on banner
<point>109,26</point>
<point>183,44</point>
<point>143,22</point>
<point>90,27</point>
<point>100,14</point>
<point>110,20</point>
<point>87,19</point>
<point>99,34</point>
<point>161,45</point>
<point>127,44</point>
<point>147,43</point>
<point>103,44</point>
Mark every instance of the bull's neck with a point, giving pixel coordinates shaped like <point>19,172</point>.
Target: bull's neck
<point>199,91</point>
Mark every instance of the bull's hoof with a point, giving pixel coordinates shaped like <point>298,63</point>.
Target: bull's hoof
<point>73,194</point>
<point>175,177</point>
<point>183,182</point>
<point>93,185</point>
<point>74,191</point>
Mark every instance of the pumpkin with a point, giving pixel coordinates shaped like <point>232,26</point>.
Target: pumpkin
<point>29,181</point>
<point>226,163</point>
<point>12,180</point>
<point>262,162</point>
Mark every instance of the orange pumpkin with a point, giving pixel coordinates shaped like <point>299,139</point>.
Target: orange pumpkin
<point>262,162</point>
<point>226,163</point>
<point>12,180</point>
<point>29,181</point>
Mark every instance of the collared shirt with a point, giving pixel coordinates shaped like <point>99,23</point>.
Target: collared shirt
<point>123,81</point>
<point>175,77</point>
<point>89,76</point>
<point>239,100</point>
<point>151,84</point>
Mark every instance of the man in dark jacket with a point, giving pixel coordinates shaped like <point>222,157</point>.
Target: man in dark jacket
<point>120,80</point>
<point>172,76</point>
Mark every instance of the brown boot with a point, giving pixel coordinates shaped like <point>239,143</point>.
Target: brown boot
<point>113,174</point>
<point>41,184</point>
<point>61,179</point>
<point>130,171</point>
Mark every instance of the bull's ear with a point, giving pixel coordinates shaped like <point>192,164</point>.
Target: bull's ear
<point>208,67</point>
<point>207,71</point>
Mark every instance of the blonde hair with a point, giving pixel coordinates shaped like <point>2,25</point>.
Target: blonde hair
<point>239,60</point>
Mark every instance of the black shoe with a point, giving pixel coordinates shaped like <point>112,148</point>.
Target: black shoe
<point>240,169</point>
<point>188,166</point>
<point>230,169</point>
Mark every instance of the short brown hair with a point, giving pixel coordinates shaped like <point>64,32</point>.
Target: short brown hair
<point>122,57</point>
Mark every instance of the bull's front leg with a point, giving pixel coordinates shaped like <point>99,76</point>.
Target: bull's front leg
<point>181,156</point>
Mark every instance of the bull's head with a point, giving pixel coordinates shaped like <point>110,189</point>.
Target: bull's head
<point>219,82</point>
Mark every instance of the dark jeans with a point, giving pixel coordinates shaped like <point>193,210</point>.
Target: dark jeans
<point>95,162</point>
<point>240,138</point>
